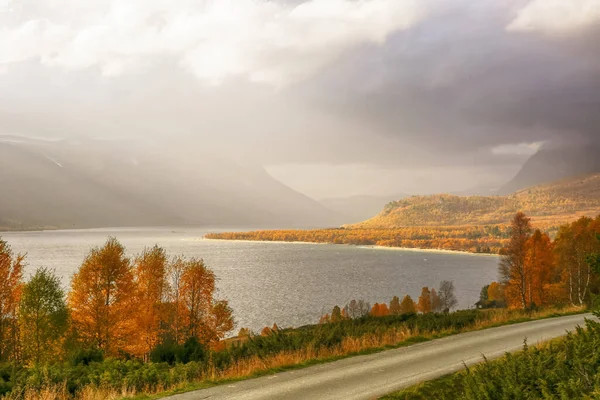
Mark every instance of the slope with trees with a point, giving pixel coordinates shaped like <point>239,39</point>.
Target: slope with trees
<point>547,205</point>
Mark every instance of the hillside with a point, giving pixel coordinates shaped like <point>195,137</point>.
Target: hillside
<point>89,183</point>
<point>547,205</point>
<point>554,163</point>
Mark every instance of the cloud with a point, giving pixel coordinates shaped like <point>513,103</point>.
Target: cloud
<point>259,40</point>
<point>557,16</point>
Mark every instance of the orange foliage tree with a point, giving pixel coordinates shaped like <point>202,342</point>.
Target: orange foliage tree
<point>380,310</point>
<point>11,286</point>
<point>102,299</point>
<point>424,305</point>
<point>539,264</point>
<point>395,306</point>
<point>150,272</point>
<point>513,268</point>
<point>407,305</point>
<point>496,293</point>
<point>203,317</point>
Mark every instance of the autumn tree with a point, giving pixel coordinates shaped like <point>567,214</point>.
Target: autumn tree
<point>150,273</point>
<point>43,316</point>
<point>325,319</point>
<point>484,296</point>
<point>436,302</point>
<point>408,305</point>
<point>539,263</point>
<point>513,268</point>
<point>380,310</point>
<point>336,314</point>
<point>243,332</point>
<point>496,293</point>
<point>102,297</point>
<point>395,306</point>
<point>424,305</point>
<point>574,245</point>
<point>447,296</point>
<point>176,269</point>
<point>11,284</point>
<point>203,317</point>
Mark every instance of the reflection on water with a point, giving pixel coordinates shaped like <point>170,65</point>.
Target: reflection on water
<point>287,283</point>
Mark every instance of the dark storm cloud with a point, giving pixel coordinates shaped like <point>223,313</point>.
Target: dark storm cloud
<point>460,84</point>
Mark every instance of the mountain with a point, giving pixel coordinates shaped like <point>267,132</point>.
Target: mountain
<point>99,183</point>
<point>548,205</point>
<point>552,163</point>
<point>360,207</point>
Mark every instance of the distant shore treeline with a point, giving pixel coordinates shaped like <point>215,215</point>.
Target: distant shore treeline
<point>488,239</point>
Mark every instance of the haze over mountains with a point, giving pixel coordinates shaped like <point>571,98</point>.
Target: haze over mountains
<point>101,183</point>
<point>553,163</point>
<point>95,183</point>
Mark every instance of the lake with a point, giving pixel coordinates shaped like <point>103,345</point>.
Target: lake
<point>291,284</point>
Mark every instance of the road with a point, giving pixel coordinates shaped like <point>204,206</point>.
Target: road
<point>374,375</point>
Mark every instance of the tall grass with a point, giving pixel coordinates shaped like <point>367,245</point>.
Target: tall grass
<point>286,349</point>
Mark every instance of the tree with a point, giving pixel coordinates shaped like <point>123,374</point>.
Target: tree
<point>484,298</point>
<point>176,269</point>
<point>408,305</point>
<point>336,314</point>
<point>539,262</point>
<point>424,305</point>
<point>513,269</point>
<point>380,310</point>
<point>43,316</point>
<point>101,299</point>
<point>11,285</point>
<point>203,317</point>
<point>266,331</point>
<point>244,332</point>
<point>574,244</point>
<point>447,296</point>
<point>356,309</point>
<point>395,306</point>
<point>436,303</point>
<point>150,272</point>
<point>496,293</point>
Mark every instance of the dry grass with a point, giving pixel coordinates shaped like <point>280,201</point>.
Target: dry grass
<point>256,365</point>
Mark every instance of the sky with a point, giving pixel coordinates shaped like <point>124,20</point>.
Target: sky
<point>332,97</point>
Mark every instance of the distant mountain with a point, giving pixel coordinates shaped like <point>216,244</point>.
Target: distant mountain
<point>550,164</point>
<point>547,204</point>
<point>360,207</point>
<point>95,183</point>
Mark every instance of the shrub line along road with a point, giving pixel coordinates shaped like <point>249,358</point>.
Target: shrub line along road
<point>374,375</point>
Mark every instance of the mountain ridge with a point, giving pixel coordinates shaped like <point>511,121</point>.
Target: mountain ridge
<point>88,184</point>
<point>548,204</point>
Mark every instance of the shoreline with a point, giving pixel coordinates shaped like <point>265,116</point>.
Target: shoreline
<point>363,246</point>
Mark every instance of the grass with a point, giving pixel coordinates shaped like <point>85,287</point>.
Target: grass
<point>289,350</point>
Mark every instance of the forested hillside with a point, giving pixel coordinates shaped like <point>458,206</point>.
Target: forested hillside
<point>548,205</point>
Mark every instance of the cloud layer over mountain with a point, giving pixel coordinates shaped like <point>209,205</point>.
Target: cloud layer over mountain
<point>333,96</point>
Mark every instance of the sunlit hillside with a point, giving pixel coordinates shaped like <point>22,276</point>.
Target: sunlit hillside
<point>548,205</point>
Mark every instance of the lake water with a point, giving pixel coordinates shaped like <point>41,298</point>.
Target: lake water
<point>291,284</point>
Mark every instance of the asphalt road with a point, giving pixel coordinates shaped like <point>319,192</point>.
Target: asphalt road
<point>371,376</point>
